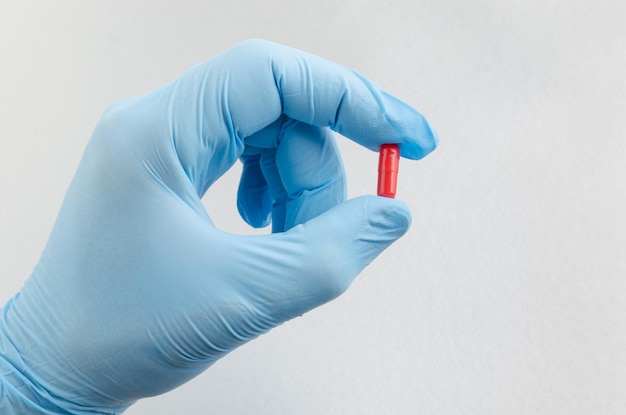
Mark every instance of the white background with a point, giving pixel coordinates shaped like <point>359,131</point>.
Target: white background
<point>508,294</point>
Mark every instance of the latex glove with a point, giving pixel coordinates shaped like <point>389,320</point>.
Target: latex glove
<point>137,292</point>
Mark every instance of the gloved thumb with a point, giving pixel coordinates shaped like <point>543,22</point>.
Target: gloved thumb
<point>332,249</point>
<point>244,286</point>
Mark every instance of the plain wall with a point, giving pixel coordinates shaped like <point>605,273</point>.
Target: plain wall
<point>508,294</point>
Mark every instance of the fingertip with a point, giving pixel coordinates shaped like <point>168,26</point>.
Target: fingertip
<point>254,202</point>
<point>257,218</point>
<point>428,141</point>
<point>371,223</point>
<point>389,216</point>
<point>420,139</point>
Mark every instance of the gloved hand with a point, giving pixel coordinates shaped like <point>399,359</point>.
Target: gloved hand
<point>137,291</point>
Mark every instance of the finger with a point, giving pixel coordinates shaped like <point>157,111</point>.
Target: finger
<point>258,201</point>
<point>230,289</point>
<point>314,263</point>
<point>311,171</point>
<point>254,201</point>
<point>276,189</point>
<point>301,179</point>
<point>274,79</point>
<point>216,108</point>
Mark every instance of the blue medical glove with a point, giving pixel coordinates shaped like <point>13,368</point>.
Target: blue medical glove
<point>137,291</point>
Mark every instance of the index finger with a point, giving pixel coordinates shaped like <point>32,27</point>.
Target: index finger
<point>271,79</point>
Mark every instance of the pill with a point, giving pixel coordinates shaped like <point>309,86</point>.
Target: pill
<point>388,163</point>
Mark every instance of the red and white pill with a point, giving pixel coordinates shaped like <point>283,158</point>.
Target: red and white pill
<point>388,165</point>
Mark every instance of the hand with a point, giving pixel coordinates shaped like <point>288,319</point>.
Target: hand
<point>137,292</point>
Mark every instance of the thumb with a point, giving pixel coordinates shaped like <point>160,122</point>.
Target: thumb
<point>244,286</point>
<point>333,249</point>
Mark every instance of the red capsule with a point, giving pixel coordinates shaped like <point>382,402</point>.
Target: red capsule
<point>388,164</point>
